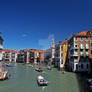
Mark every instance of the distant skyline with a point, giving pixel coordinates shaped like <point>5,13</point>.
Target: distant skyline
<point>32,23</point>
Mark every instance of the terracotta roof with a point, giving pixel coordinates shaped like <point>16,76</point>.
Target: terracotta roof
<point>33,50</point>
<point>65,42</point>
<point>82,33</point>
<point>10,50</point>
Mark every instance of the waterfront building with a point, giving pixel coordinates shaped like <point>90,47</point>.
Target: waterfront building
<point>61,51</point>
<point>31,56</point>
<point>80,51</point>
<point>9,55</point>
<point>21,57</point>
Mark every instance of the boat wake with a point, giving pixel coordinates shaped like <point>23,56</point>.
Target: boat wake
<point>43,88</point>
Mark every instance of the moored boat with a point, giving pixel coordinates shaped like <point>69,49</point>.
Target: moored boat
<point>42,81</point>
<point>4,75</point>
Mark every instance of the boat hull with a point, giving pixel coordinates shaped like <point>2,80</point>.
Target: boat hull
<point>41,81</point>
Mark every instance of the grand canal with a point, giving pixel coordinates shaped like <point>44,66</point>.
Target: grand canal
<point>23,79</point>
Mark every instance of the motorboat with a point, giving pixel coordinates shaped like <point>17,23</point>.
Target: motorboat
<point>9,65</point>
<point>42,81</point>
<point>39,69</point>
<point>49,68</point>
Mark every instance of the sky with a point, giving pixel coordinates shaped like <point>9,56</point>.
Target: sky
<point>27,24</point>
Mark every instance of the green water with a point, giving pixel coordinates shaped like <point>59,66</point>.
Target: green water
<point>23,79</point>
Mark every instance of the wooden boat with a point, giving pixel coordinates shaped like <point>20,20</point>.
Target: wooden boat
<point>39,69</point>
<point>41,81</point>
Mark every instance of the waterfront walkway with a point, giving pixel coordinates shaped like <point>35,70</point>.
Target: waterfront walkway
<point>23,79</point>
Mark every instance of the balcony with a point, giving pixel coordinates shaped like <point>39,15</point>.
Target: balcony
<point>87,54</point>
<point>87,47</point>
<point>86,40</point>
<point>75,54</point>
<point>81,47</point>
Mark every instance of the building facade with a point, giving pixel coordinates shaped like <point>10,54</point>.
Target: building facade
<point>80,52</point>
<point>61,51</point>
<point>9,55</point>
<point>31,56</point>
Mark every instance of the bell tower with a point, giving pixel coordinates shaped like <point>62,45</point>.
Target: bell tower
<point>53,51</point>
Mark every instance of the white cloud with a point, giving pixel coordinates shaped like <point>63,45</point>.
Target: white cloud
<point>24,35</point>
<point>46,43</point>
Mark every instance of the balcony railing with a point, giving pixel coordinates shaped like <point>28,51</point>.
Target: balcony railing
<point>81,47</point>
<point>87,47</point>
<point>73,48</point>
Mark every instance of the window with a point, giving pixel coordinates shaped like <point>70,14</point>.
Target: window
<point>81,38</point>
<point>62,62</point>
<point>81,52</point>
<point>81,45</point>
<point>81,59</point>
<point>87,60</point>
<point>62,55</point>
<point>76,59</point>
<point>86,38</point>
<point>82,66</point>
<point>77,67</point>
<point>86,52</point>
<point>87,66</point>
<point>86,44</point>
<point>76,45</point>
<point>91,44</point>
<point>76,52</point>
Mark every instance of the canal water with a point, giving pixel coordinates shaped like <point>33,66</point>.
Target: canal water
<point>24,79</point>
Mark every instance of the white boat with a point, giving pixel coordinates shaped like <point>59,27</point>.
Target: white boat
<point>49,68</point>
<point>30,65</point>
<point>42,81</point>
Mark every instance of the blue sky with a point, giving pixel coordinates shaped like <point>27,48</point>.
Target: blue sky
<point>32,23</point>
